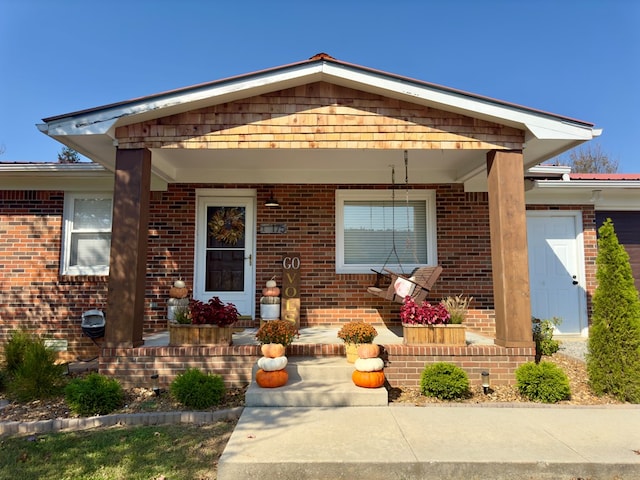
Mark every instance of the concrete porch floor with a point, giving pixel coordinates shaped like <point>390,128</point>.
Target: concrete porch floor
<point>315,335</point>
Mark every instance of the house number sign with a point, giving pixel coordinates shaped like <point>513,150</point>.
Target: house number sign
<point>291,288</point>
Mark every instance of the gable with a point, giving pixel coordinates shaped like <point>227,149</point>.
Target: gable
<point>319,115</point>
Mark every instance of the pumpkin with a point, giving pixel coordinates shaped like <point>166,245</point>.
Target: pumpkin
<point>177,292</point>
<point>274,379</point>
<point>368,350</point>
<point>272,364</point>
<point>272,350</point>
<point>369,364</point>
<point>179,284</point>
<point>368,379</point>
<point>271,291</point>
<point>271,283</point>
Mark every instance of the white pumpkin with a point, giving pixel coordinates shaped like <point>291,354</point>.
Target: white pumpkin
<point>369,364</point>
<point>178,284</point>
<point>272,364</point>
<point>271,283</point>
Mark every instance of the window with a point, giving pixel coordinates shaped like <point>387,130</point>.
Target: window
<point>369,223</point>
<point>87,234</point>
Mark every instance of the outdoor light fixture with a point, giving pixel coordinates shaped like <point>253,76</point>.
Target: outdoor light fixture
<point>155,385</point>
<point>272,202</point>
<point>485,382</point>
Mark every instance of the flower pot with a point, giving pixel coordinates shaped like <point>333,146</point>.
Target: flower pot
<point>269,311</point>
<point>451,334</point>
<point>199,335</point>
<point>351,350</point>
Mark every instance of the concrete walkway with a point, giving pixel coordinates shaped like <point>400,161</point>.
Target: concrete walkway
<point>435,442</point>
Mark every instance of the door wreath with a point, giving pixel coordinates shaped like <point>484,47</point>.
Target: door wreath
<point>227,225</point>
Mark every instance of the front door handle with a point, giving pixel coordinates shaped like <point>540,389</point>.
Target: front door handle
<point>575,281</point>
<point>249,258</point>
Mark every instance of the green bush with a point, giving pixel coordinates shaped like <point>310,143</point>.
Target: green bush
<point>613,358</point>
<point>94,394</point>
<point>14,350</point>
<point>543,336</point>
<point>37,376</point>
<point>444,381</point>
<point>542,382</point>
<point>196,389</point>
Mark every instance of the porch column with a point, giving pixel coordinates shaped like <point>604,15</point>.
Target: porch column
<point>508,228</point>
<point>129,236</point>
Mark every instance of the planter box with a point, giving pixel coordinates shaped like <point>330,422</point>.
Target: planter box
<point>452,334</point>
<point>199,335</point>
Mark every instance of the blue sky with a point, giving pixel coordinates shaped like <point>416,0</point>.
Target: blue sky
<point>576,58</point>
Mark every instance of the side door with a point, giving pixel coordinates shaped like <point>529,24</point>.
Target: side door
<point>224,256</point>
<point>556,269</point>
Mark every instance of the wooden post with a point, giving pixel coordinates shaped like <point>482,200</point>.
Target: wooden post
<point>508,226</point>
<point>290,295</point>
<point>128,263</point>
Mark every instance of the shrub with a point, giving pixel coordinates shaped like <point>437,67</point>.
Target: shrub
<point>542,382</point>
<point>37,376</point>
<point>543,336</point>
<point>444,381</point>
<point>94,394</point>
<point>613,358</point>
<point>14,350</point>
<point>196,389</point>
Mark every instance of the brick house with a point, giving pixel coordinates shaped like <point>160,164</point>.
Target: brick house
<point>327,140</point>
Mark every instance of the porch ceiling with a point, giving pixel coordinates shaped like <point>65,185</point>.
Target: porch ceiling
<point>317,166</point>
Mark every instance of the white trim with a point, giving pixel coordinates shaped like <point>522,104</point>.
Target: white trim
<point>429,196</point>
<point>67,230</point>
<point>224,197</point>
<point>580,260</point>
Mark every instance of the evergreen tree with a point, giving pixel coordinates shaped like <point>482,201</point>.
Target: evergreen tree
<point>613,359</point>
<point>68,155</point>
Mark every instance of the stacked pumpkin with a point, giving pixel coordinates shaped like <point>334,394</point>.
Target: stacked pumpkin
<point>369,367</point>
<point>270,301</point>
<point>178,300</point>
<point>272,365</point>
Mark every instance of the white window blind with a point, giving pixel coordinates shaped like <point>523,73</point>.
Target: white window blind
<point>87,239</point>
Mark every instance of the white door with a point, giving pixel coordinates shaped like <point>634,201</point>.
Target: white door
<point>224,256</point>
<point>556,269</point>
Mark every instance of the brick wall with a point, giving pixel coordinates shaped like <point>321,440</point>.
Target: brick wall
<point>403,364</point>
<point>35,296</point>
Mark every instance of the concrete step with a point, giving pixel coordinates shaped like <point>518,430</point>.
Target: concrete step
<point>316,382</point>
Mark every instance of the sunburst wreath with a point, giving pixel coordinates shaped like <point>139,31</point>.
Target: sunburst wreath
<point>227,225</point>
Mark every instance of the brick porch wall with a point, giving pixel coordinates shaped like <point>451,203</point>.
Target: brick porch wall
<point>403,364</point>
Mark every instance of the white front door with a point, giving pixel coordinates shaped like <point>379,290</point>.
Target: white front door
<point>224,256</point>
<point>556,269</point>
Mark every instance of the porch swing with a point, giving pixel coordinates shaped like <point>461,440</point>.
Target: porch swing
<point>418,283</point>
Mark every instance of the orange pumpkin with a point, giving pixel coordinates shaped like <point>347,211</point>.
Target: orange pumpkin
<point>271,291</point>
<point>274,379</point>
<point>368,350</point>
<point>368,379</point>
<point>273,350</point>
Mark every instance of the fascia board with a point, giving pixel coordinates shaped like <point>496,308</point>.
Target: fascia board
<point>540,125</point>
<point>588,184</point>
<point>102,121</point>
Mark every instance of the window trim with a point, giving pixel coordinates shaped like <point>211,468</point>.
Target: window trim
<point>67,227</point>
<point>429,197</point>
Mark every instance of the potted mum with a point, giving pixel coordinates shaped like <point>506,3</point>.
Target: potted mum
<point>353,334</point>
<point>428,324</point>
<point>206,323</point>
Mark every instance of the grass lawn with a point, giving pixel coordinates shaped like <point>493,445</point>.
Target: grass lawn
<point>148,452</point>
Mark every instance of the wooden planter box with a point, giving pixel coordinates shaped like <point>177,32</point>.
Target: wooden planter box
<point>452,334</point>
<point>180,334</point>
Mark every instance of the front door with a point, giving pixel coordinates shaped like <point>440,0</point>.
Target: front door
<point>224,258</point>
<point>556,269</point>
